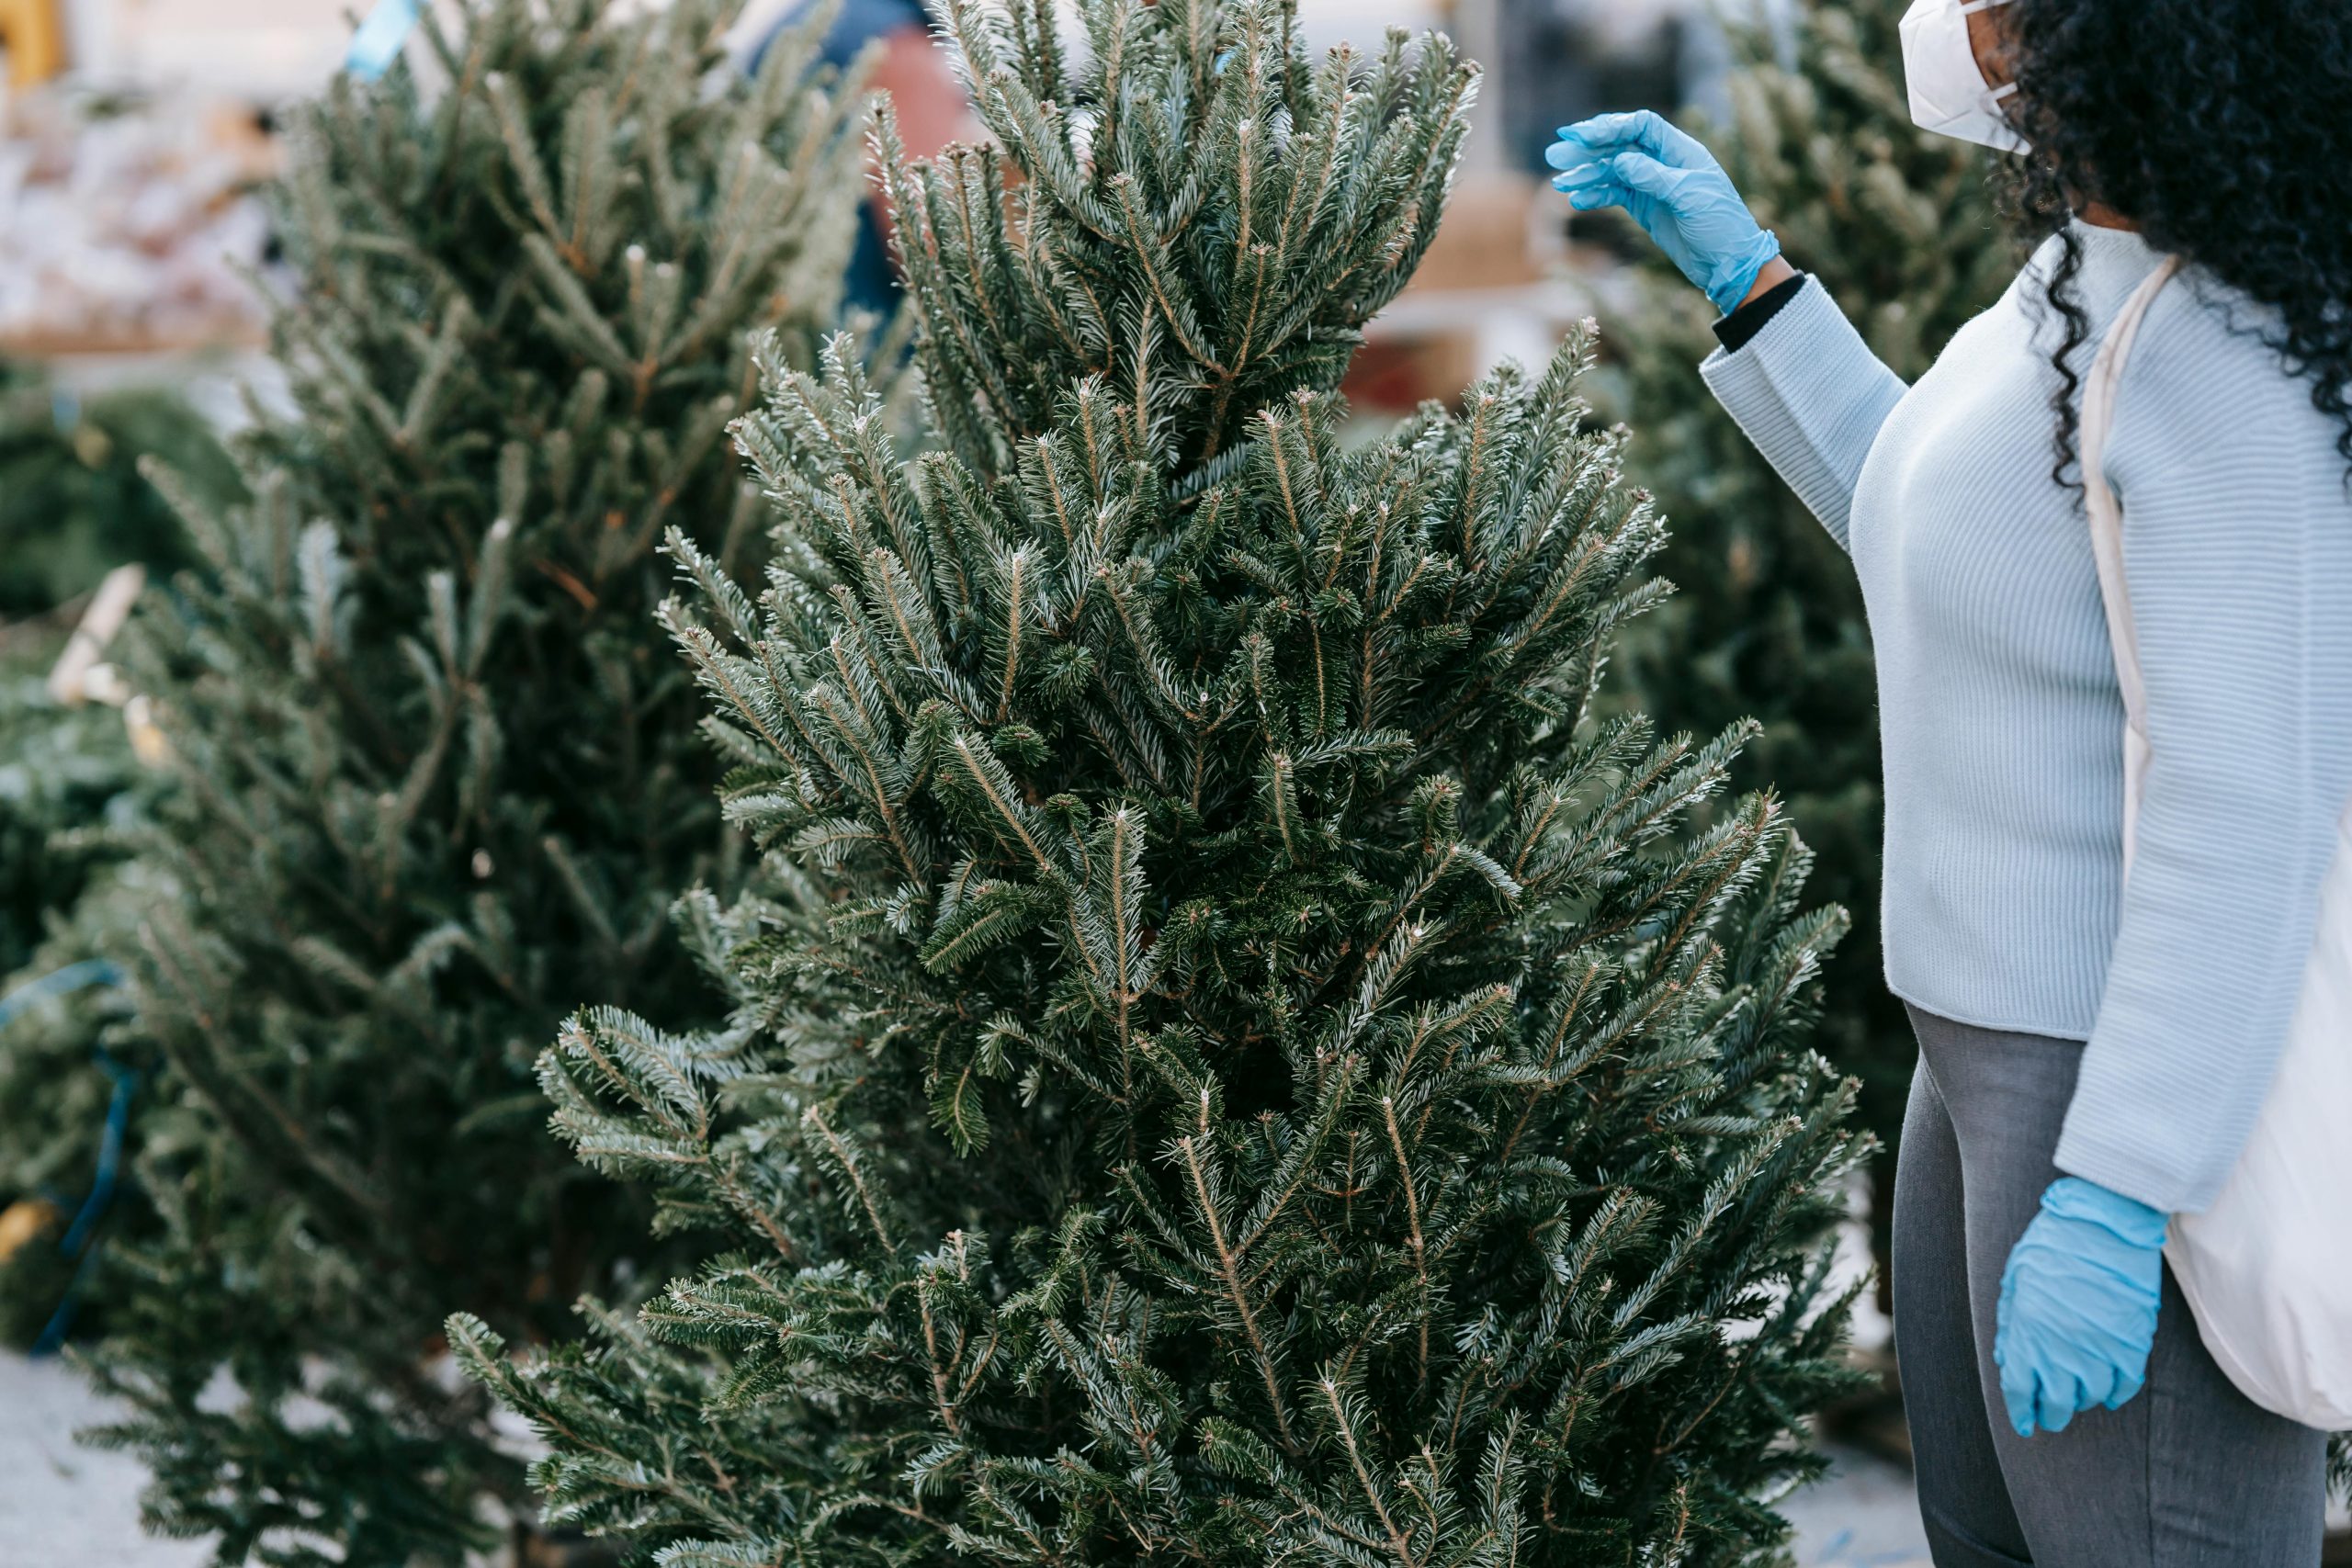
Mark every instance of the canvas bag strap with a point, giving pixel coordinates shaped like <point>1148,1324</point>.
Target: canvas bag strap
<point>2098,497</point>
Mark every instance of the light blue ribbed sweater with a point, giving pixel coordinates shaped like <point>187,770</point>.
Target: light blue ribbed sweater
<point>2000,715</point>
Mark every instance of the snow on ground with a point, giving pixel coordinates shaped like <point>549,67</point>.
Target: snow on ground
<point>63,1506</point>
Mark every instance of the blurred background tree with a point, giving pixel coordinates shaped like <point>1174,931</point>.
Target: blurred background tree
<point>436,776</point>
<point>1767,618</point>
<point>73,504</point>
<point>72,507</point>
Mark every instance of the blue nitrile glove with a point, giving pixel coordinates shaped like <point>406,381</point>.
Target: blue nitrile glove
<point>2078,1305</point>
<point>1674,189</point>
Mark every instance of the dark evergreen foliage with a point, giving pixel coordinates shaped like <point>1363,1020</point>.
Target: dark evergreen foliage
<point>69,789</point>
<point>1229,1064</point>
<point>73,504</point>
<point>437,781</point>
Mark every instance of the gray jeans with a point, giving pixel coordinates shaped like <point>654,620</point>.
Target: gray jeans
<point>2189,1475</point>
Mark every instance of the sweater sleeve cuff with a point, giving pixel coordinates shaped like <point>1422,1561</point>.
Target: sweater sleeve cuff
<point>1734,330</point>
<point>2126,1166</point>
<point>1810,396</point>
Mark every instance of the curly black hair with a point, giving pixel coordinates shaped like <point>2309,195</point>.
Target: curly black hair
<point>2223,129</point>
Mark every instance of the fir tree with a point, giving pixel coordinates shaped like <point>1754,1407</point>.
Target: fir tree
<point>1229,1067</point>
<point>436,774</point>
<point>63,770</point>
<point>72,505</point>
<point>69,785</point>
<point>1766,620</point>
<point>75,1099</point>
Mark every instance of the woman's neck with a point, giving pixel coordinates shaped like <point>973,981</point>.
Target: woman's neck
<point>2098,215</point>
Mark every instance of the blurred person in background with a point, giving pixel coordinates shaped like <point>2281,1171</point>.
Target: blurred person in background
<point>2093,1050</point>
<point>929,103</point>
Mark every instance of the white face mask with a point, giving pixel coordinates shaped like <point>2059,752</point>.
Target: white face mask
<point>1948,92</point>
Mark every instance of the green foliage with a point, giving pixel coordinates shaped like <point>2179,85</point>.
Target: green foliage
<point>56,1092</point>
<point>71,502</point>
<point>437,775</point>
<point>64,771</point>
<point>71,507</point>
<point>1766,620</point>
<point>1228,1065</point>
<point>70,792</point>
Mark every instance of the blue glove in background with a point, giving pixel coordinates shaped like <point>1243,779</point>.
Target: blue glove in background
<point>1674,189</point>
<point>2078,1305</point>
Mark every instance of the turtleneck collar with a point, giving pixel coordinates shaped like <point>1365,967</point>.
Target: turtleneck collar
<point>2114,261</point>
<point>2124,245</point>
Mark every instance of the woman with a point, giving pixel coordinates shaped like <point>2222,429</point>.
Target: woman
<point>2092,1051</point>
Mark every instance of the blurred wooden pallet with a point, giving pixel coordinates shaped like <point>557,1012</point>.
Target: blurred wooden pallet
<point>242,335</point>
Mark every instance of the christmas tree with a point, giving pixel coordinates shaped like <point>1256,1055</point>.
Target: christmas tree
<point>1229,1066</point>
<point>1899,226</point>
<point>72,506</point>
<point>436,774</point>
<point>71,1090</point>
<point>69,788</point>
<point>64,769</point>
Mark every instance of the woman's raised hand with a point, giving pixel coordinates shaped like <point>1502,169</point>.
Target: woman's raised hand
<point>1674,189</point>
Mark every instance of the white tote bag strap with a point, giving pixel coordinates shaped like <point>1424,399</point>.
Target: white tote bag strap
<point>2107,531</point>
<point>2266,1269</point>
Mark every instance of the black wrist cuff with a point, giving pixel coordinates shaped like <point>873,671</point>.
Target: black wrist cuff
<point>1734,330</point>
